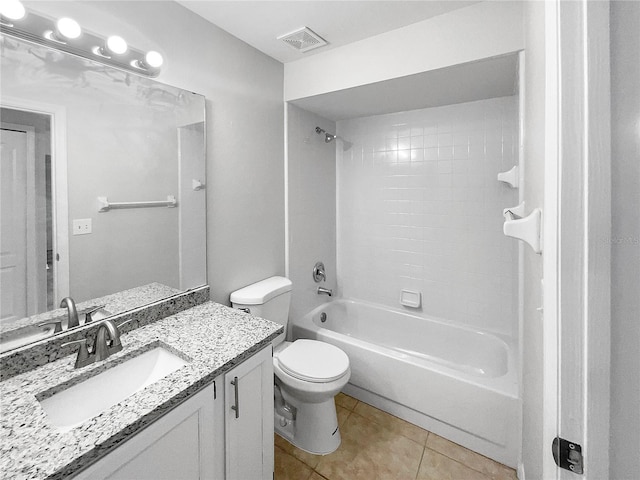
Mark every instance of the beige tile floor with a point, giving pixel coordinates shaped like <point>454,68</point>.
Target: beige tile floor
<point>376,445</point>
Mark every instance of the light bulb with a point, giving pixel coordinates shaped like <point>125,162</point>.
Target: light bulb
<point>153,59</point>
<point>68,28</point>
<point>12,9</point>
<point>117,45</point>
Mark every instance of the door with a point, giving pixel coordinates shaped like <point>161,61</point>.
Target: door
<point>57,225</point>
<point>248,394</point>
<point>16,210</point>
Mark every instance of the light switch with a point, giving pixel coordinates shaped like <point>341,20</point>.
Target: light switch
<point>81,226</point>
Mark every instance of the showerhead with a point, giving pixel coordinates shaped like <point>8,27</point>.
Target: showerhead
<point>328,137</point>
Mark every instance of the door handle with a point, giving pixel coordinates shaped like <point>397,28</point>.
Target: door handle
<point>235,407</point>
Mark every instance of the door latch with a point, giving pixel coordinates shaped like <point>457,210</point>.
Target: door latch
<point>567,455</point>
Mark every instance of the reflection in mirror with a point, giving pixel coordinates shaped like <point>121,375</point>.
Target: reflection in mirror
<point>72,131</point>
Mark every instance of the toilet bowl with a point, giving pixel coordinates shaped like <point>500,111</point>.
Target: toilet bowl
<point>308,374</point>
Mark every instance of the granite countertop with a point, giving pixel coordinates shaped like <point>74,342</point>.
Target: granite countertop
<point>114,303</point>
<point>214,339</point>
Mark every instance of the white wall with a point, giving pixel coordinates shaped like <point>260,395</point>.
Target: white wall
<point>311,205</point>
<point>420,208</point>
<point>532,327</point>
<point>245,153</point>
<point>482,30</point>
<point>625,241</point>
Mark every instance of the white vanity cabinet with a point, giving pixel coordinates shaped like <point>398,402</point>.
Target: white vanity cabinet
<point>225,431</point>
<point>178,445</point>
<point>248,399</point>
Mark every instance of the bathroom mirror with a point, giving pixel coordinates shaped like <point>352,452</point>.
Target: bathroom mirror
<point>82,145</point>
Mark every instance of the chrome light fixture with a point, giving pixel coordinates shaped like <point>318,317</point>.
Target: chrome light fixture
<point>65,34</point>
<point>12,10</point>
<point>66,29</point>
<point>115,45</point>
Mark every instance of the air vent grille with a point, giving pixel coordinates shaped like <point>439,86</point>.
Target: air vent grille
<point>303,40</point>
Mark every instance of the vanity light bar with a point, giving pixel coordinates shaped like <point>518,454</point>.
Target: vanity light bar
<point>65,34</point>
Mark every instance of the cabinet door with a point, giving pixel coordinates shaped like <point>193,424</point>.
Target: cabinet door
<point>249,418</point>
<point>179,445</point>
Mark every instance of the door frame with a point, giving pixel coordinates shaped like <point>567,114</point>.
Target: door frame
<point>577,224</point>
<point>59,196</point>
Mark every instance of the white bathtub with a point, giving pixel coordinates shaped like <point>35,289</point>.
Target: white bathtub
<point>451,380</point>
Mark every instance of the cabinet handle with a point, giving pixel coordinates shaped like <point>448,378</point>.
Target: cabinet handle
<point>235,407</point>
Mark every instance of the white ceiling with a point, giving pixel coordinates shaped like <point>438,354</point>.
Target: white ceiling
<point>468,82</point>
<point>259,23</point>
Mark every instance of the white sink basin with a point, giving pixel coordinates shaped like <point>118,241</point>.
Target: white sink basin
<point>69,408</point>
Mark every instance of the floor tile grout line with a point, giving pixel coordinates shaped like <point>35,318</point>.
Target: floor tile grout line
<point>462,463</point>
<point>427,439</point>
<point>391,431</point>
<point>420,464</point>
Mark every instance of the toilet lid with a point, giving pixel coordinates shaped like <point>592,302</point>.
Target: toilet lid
<point>313,361</point>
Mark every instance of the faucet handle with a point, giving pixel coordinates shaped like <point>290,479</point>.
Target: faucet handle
<point>319,273</point>
<point>82,359</point>
<point>125,322</point>
<point>57,325</point>
<point>119,326</point>
<point>88,313</point>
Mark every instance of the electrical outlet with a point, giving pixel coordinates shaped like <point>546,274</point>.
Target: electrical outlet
<point>81,226</point>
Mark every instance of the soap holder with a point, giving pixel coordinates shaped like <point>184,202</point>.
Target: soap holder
<point>510,177</point>
<point>410,299</point>
<point>527,229</point>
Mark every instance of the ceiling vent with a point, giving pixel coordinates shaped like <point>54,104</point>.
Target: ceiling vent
<point>303,40</point>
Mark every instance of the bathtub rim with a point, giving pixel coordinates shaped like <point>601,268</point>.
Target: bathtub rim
<point>508,341</point>
<point>506,384</point>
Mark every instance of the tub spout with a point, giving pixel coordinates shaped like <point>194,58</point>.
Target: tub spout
<point>325,291</point>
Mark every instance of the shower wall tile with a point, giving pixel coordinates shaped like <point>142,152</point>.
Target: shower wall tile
<point>419,208</point>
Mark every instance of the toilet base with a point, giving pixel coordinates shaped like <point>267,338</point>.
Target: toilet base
<point>314,428</point>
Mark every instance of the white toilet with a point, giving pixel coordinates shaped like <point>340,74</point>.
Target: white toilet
<point>308,373</point>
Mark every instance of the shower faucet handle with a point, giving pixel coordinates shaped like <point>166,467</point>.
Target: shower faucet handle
<point>318,272</point>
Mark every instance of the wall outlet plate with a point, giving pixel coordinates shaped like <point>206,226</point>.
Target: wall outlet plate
<point>81,226</point>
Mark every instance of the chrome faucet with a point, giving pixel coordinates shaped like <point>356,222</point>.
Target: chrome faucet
<point>72,312</point>
<point>102,347</point>
<point>325,291</point>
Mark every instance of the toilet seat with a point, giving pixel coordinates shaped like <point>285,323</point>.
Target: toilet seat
<point>313,361</point>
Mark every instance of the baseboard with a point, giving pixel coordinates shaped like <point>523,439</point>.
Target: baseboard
<point>520,471</point>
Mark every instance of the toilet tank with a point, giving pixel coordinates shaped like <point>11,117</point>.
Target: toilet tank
<point>269,299</point>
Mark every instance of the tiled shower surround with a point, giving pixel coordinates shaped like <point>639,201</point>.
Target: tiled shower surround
<point>419,208</point>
